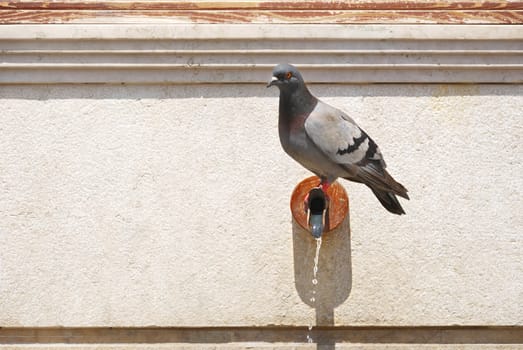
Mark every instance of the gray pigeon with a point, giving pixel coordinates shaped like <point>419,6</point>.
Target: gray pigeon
<point>328,142</point>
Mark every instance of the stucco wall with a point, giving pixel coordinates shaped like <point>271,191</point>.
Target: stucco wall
<point>169,206</point>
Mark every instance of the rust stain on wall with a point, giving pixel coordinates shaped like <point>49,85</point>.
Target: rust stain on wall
<point>441,12</point>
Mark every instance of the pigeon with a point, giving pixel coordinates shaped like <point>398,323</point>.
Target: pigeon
<point>328,142</point>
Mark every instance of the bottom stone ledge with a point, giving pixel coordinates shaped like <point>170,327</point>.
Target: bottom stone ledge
<point>250,346</point>
<point>284,338</point>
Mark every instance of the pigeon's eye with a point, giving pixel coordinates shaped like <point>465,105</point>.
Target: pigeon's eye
<point>288,75</point>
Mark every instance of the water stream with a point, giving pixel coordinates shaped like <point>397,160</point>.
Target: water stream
<point>314,284</point>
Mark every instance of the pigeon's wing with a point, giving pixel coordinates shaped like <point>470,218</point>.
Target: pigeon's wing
<point>345,143</point>
<point>340,138</point>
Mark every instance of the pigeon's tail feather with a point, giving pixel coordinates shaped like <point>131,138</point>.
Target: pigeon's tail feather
<point>389,201</point>
<point>382,185</point>
<point>378,178</point>
<point>397,188</point>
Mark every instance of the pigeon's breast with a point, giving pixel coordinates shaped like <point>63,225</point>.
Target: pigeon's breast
<point>302,149</point>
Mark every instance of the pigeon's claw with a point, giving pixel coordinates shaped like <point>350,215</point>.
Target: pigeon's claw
<point>306,203</point>
<point>324,185</point>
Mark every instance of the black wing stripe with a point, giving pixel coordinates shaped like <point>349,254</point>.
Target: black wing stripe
<point>371,151</point>
<point>354,146</point>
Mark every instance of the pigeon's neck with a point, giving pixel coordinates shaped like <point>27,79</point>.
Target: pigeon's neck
<point>296,104</point>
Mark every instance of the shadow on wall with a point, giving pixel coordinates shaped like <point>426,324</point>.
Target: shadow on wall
<point>334,273</point>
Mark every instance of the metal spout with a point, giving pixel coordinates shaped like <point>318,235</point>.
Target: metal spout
<point>336,206</point>
<point>317,207</point>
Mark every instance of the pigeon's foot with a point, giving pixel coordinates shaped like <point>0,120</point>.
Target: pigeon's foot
<point>306,199</point>
<point>306,203</point>
<point>324,186</point>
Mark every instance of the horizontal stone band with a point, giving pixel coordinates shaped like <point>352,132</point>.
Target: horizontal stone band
<point>203,53</point>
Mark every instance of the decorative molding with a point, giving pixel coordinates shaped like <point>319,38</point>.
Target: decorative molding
<point>236,53</point>
<point>253,11</point>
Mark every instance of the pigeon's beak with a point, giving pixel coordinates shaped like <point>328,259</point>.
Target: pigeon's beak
<point>273,81</point>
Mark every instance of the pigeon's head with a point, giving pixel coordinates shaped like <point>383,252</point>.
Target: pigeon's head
<point>286,77</point>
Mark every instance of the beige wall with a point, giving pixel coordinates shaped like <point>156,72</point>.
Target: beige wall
<point>142,185</point>
<point>168,206</point>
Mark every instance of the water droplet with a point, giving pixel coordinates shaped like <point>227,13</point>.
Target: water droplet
<point>309,338</point>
